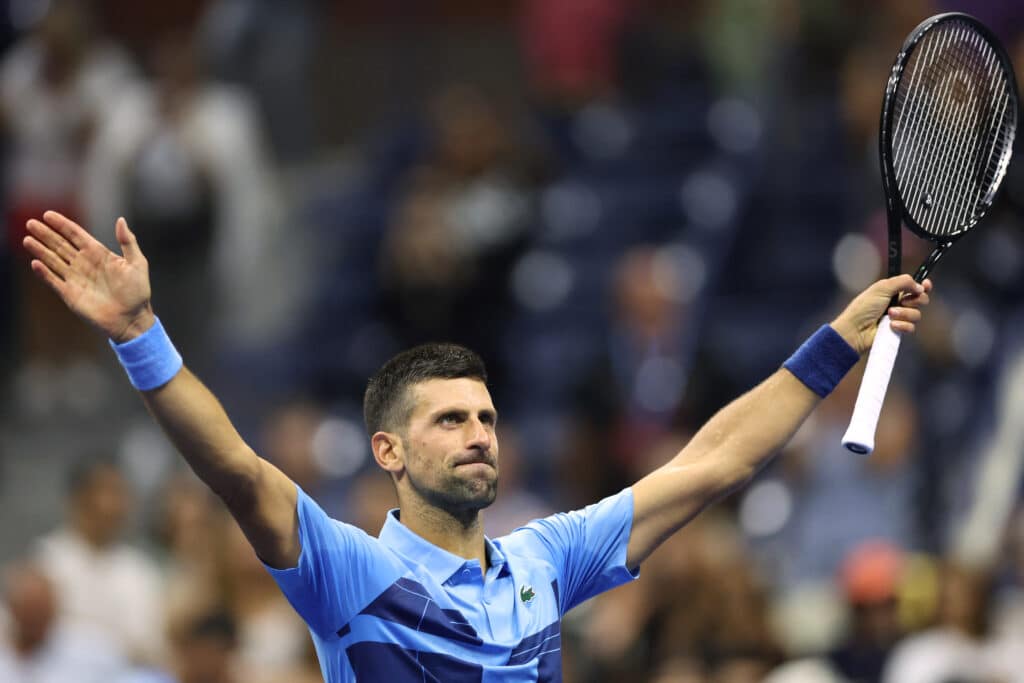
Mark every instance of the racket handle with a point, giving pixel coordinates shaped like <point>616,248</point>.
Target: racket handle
<point>860,435</point>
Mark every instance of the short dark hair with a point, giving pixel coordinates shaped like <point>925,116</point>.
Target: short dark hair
<point>386,404</point>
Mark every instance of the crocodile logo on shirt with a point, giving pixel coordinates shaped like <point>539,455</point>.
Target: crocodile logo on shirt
<point>526,593</point>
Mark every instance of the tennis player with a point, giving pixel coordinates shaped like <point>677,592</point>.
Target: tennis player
<point>432,598</point>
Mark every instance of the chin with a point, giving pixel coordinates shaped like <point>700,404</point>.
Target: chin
<point>484,498</point>
<point>473,495</point>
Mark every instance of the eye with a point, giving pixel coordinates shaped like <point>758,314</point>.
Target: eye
<point>449,419</point>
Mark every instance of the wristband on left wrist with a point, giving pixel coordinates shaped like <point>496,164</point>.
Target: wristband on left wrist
<point>822,361</point>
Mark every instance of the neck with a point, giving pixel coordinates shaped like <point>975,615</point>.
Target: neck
<point>459,534</point>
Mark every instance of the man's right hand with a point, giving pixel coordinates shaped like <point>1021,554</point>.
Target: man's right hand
<point>110,292</point>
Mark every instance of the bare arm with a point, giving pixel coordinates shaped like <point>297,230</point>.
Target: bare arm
<point>743,436</point>
<point>112,293</point>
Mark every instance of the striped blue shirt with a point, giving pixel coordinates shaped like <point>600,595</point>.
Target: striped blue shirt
<point>397,608</point>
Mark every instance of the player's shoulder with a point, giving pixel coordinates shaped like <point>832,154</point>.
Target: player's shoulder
<point>575,526</point>
<point>533,540</point>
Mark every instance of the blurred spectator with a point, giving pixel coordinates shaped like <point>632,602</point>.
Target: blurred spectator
<point>956,648</point>
<point>447,253</point>
<point>870,578</point>
<point>1000,473</point>
<point>102,583</point>
<point>632,396</point>
<point>270,48</point>
<point>57,85</point>
<point>212,569</point>
<point>271,637</point>
<point>190,531</point>
<point>290,439</point>
<point>842,501</point>
<point>679,670</point>
<point>37,646</point>
<point>204,651</point>
<point>183,159</point>
<point>205,648</point>
<point>699,612</point>
<point>804,671</point>
<point>1008,604</point>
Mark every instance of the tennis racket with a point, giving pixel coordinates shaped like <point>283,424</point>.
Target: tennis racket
<point>948,123</point>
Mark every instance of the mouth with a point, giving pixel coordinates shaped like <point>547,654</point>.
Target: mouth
<point>474,461</point>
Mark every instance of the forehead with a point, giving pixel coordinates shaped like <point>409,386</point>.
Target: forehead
<point>462,393</point>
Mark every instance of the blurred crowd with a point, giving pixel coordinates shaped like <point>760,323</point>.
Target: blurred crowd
<point>633,209</point>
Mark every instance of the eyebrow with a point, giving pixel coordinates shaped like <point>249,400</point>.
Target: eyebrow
<point>489,412</point>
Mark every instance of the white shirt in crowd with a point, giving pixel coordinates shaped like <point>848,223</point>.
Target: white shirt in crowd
<point>115,590</point>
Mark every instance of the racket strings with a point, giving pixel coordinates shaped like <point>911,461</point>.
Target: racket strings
<point>952,130</point>
<point>940,119</point>
<point>952,182</point>
<point>923,129</point>
<point>936,121</point>
<point>945,113</point>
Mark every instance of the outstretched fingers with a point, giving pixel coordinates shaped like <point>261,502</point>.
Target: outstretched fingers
<point>44,273</point>
<point>46,257</point>
<point>68,229</point>
<point>52,240</point>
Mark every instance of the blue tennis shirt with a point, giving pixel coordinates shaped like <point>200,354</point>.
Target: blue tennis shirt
<point>397,608</point>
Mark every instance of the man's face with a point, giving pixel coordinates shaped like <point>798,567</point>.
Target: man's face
<point>450,445</point>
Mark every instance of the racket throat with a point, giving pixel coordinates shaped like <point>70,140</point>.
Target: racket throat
<point>930,262</point>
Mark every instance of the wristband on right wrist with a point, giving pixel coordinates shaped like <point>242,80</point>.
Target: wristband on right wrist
<point>150,359</point>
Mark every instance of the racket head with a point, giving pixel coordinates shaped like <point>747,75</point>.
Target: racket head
<point>949,120</point>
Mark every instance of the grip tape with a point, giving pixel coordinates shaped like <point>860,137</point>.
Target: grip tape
<point>860,435</point>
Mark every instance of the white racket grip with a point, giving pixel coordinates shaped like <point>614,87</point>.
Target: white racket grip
<point>860,435</point>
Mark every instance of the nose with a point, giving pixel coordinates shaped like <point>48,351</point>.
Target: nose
<point>480,435</point>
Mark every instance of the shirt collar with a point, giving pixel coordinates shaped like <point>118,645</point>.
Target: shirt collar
<point>438,561</point>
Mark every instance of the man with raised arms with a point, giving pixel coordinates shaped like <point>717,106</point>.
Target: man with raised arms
<point>432,598</point>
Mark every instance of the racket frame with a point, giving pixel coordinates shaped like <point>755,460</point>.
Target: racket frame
<point>860,435</point>
<point>896,208</point>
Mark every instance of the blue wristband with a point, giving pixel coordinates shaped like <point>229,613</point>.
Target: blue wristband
<point>822,361</point>
<point>150,359</point>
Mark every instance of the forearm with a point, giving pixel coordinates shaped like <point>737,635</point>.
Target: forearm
<point>195,422</point>
<point>185,409</point>
<point>726,452</point>
<point>745,434</point>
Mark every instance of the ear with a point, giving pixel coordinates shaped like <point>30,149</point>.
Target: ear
<point>388,452</point>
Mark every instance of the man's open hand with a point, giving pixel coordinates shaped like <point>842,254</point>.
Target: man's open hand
<point>110,292</point>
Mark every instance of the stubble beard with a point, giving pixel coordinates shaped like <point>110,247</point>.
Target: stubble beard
<point>457,495</point>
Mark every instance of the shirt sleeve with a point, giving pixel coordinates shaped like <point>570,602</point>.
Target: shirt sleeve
<point>340,569</point>
<point>586,547</point>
